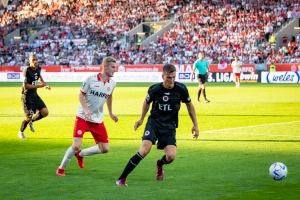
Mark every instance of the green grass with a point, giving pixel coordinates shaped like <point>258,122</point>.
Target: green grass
<point>242,132</point>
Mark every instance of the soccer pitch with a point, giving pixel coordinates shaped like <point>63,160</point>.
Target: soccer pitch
<point>242,132</point>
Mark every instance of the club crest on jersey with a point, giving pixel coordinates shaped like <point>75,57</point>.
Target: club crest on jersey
<point>165,98</point>
<point>108,89</point>
<point>31,112</point>
<point>79,132</point>
<point>147,133</point>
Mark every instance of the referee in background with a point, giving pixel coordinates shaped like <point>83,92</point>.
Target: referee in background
<point>202,67</point>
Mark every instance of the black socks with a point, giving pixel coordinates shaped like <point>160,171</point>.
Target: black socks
<point>23,125</point>
<point>133,162</point>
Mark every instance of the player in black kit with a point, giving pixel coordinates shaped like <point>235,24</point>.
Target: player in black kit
<point>166,98</point>
<point>32,103</point>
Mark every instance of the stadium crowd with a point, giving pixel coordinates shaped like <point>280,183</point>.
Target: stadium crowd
<point>220,28</point>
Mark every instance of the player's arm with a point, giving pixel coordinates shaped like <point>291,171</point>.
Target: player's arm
<point>192,74</point>
<point>208,69</point>
<point>191,109</point>
<point>109,108</point>
<point>45,85</point>
<point>28,86</point>
<point>87,111</point>
<point>145,110</point>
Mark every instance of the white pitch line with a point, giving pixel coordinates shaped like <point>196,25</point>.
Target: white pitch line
<point>240,127</point>
<point>254,134</point>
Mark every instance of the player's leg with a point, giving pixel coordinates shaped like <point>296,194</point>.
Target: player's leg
<point>28,111</point>
<point>42,110</point>
<point>40,114</point>
<point>134,161</point>
<point>238,80</point>
<point>101,139</point>
<point>167,142</point>
<point>79,130</point>
<point>235,81</point>
<point>149,139</point>
<point>169,157</point>
<point>68,156</point>
<point>199,87</point>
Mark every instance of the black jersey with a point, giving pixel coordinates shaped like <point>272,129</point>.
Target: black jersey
<point>31,77</point>
<point>166,104</point>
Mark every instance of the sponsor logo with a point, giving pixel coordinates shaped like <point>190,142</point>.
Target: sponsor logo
<point>164,107</point>
<point>108,89</point>
<point>294,68</point>
<point>283,77</point>
<point>184,76</point>
<point>222,65</point>
<point>147,133</point>
<point>99,94</point>
<point>184,68</point>
<point>229,77</point>
<point>121,68</point>
<point>13,75</point>
<point>249,77</point>
<point>247,69</point>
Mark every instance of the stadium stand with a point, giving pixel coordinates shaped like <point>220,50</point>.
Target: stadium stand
<point>81,32</point>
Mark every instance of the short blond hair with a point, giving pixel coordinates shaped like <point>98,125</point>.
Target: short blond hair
<point>107,60</point>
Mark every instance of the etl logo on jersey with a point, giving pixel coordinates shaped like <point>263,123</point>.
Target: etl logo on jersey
<point>13,75</point>
<point>184,76</point>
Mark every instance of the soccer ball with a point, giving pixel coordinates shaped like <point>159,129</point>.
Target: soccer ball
<point>278,171</point>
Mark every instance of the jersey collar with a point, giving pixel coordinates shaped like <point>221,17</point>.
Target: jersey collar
<point>99,79</point>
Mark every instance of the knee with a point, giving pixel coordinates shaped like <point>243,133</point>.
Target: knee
<point>45,113</point>
<point>104,149</point>
<point>144,151</point>
<point>171,157</point>
<point>76,147</point>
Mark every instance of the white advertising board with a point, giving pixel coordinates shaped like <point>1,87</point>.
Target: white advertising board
<point>280,77</point>
<point>79,77</point>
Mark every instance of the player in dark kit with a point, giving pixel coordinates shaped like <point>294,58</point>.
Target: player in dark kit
<point>166,98</point>
<point>32,103</point>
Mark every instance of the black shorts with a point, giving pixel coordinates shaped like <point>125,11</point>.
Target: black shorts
<point>163,137</point>
<point>201,78</point>
<point>32,104</point>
